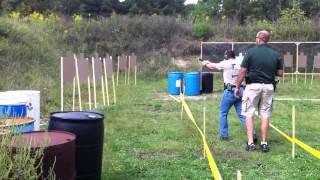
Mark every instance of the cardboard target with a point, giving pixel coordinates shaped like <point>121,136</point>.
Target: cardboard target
<point>83,64</point>
<point>288,60</point>
<point>302,60</point>
<point>109,65</point>
<point>98,66</point>
<point>69,67</point>
<point>133,61</point>
<point>123,63</point>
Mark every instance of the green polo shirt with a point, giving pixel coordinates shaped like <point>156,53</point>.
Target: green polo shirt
<point>262,63</point>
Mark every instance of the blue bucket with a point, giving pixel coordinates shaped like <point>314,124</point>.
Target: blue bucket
<point>174,82</point>
<point>13,105</point>
<point>192,83</point>
<point>13,110</point>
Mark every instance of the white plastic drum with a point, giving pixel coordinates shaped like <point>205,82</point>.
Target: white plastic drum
<point>34,106</point>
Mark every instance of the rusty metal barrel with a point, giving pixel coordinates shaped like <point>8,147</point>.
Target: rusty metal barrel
<point>89,129</point>
<point>58,151</point>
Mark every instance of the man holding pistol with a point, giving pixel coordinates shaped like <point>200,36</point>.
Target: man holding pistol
<point>230,67</point>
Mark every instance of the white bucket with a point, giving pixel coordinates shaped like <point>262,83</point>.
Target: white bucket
<point>33,107</point>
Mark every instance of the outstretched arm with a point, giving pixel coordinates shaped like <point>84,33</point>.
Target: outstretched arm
<point>210,65</point>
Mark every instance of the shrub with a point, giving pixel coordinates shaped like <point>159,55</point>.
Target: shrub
<point>22,163</point>
<point>201,31</point>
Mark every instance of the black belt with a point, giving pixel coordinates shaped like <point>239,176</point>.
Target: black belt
<point>231,87</point>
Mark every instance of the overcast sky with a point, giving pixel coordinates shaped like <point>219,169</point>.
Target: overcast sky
<point>191,1</point>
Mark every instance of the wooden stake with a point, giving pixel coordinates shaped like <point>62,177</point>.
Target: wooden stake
<point>113,86</point>
<point>125,73</point>
<point>94,83</point>
<point>297,62</point>
<point>239,176</point>
<point>204,130</point>
<point>78,81</point>
<point>293,130</point>
<point>305,76</point>
<point>292,75</point>
<point>135,75</point>
<point>118,69</point>
<point>89,91</point>
<point>103,95</point>
<point>106,81</point>
<point>74,94</point>
<point>181,114</point>
<point>129,69</point>
<point>61,85</point>
<point>312,75</point>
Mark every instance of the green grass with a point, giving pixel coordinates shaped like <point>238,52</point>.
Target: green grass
<point>146,139</point>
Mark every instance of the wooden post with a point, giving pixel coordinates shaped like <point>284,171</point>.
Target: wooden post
<point>181,93</point>
<point>106,81</point>
<point>135,75</point>
<point>89,91</point>
<point>201,49</point>
<point>118,70</point>
<point>305,75</point>
<point>292,75</point>
<point>125,73</point>
<point>312,75</point>
<point>113,87</point>
<point>293,130</point>
<point>94,83</point>
<point>73,94</point>
<point>129,70</point>
<point>297,62</point>
<point>204,130</point>
<point>78,81</point>
<point>61,81</point>
<point>181,114</point>
<point>239,176</point>
<point>103,95</point>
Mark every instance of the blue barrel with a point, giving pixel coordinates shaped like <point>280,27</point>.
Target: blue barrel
<point>18,125</point>
<point>192,83</point>
<point>13,105</point>
<point>13,110</point>
<point>174,82</point>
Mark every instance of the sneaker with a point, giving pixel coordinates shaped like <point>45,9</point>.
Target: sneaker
<point>224,138</point>
<point>265,148</point>
<point>255,138</point>
<point>251,147</point>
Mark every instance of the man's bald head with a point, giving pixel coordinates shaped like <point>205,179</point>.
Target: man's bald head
<point>263,35</point>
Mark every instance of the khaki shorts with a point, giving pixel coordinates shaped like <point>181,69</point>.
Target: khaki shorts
<point>257,96</point>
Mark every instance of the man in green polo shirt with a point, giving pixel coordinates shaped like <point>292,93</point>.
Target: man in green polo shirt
<point>259,67</point>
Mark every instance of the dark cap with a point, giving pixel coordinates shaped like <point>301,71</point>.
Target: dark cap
<point>229,54</point>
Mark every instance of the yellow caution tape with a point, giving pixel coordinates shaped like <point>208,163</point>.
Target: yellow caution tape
<point>301,144</point>
<point>213,166</point>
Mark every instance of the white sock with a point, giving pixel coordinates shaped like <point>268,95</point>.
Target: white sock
<point>263,142</point>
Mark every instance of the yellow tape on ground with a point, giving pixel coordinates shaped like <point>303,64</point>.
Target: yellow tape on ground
<point>301,144</point>
<point>213,166</point>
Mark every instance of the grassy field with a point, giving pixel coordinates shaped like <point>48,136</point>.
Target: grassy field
<point>146,139</point>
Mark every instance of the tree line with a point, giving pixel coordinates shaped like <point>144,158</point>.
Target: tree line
<point>240,10</point>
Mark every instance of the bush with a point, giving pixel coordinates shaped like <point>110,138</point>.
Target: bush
<point>21,163</point>
<point>201,31</point>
